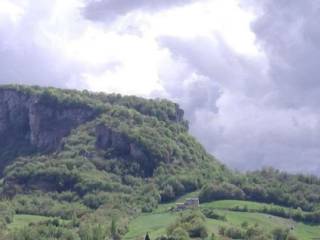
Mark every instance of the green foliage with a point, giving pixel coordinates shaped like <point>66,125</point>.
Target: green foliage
<point>254,232</point>
<point>210,213</point>
<point>43,232</point>
<point>149,158</point>
<point>192,223</point>
<point>44,205</point>
<point>92,232</point>
<point>273,186</point>
<point>221,191</point>
<point>270,186</point>
<point>179,234</point>
<point>6,213</point>
<point>162,109</point>
<point>280,234</point>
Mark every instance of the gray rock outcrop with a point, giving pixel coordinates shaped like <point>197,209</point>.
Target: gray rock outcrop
<point>28,123</point>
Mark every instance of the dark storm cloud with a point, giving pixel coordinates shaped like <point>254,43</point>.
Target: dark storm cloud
<point>108,10</point>
<point>288,32</point>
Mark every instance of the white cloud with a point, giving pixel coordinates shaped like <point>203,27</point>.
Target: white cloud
<point>202,54</point>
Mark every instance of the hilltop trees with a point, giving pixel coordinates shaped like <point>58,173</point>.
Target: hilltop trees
<point>219,191</point>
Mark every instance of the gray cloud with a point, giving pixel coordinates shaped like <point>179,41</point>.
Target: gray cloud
<point>108,10</point>
<point>248,111</point>
<point>28,57</point>
<point>288,32</point>
<point>259,118</point>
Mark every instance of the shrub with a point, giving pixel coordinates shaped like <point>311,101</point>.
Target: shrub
<point>234,233</point>
<point>180,234</point>
<point>210,213</point>
<point>280,234</point>
<point>191,222</point>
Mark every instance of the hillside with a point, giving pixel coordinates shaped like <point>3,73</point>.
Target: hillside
<point>93,166</point>
<point>80,155</point>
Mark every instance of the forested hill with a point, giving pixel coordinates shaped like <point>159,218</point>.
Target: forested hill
<point>36,119</point>
<point>73,154</point>
<point>95,161</point>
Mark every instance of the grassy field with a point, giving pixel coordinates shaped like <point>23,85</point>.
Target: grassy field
<point>229,204</point>
<point>20,221</point>
<point>157,222</point>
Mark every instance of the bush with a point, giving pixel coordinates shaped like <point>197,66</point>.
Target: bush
<point>210,213</point>
<point>6,214</point>
<point>234,233</point>
<point>280,234</point>
<point>191,222</point>
<point>43,232</point>
<point>180,234</point>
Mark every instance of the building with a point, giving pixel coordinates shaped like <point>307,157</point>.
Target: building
<point>190,203</point>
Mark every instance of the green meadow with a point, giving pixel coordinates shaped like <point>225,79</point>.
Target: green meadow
<point>156,223</point>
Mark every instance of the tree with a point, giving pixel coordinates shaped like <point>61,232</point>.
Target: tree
<point>114,231</point>
<point>280,234</point>
<point>147,237</point>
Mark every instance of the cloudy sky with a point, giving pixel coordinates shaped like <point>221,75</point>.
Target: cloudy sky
<point>245,71</point>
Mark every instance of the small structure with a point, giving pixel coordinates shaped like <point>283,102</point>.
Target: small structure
<point>190,203</point>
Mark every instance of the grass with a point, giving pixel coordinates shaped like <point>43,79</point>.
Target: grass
<point>20,221</point>
<point>156,223</point>
<point>229,204</point>
<point>304,231</point>
<point>301,230</point>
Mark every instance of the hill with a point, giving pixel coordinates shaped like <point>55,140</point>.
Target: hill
<point>82,156</point>
<point>91,166</point>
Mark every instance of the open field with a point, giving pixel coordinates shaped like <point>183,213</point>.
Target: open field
<point>157,222</point>
<point>20,221</point>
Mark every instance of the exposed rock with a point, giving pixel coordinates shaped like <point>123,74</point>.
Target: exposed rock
<point>179,114</point>
<point>49,125</point>
<point>27,123</point>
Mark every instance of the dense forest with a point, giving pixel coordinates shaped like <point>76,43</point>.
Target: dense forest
<point>91,162</point>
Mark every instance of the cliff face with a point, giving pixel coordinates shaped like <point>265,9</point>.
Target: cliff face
<point>28,123</point>
<point>137,134</point>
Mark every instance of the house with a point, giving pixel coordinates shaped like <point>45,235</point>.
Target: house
<point>190,203</point>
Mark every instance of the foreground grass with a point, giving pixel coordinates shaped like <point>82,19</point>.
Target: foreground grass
<point>155,224</point>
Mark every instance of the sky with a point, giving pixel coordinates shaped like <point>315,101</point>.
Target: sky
<point>246,72</point>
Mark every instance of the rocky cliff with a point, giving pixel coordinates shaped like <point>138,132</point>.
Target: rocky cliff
<point>71,146</point>
<point>30,123</point>
<point>34,120</point>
